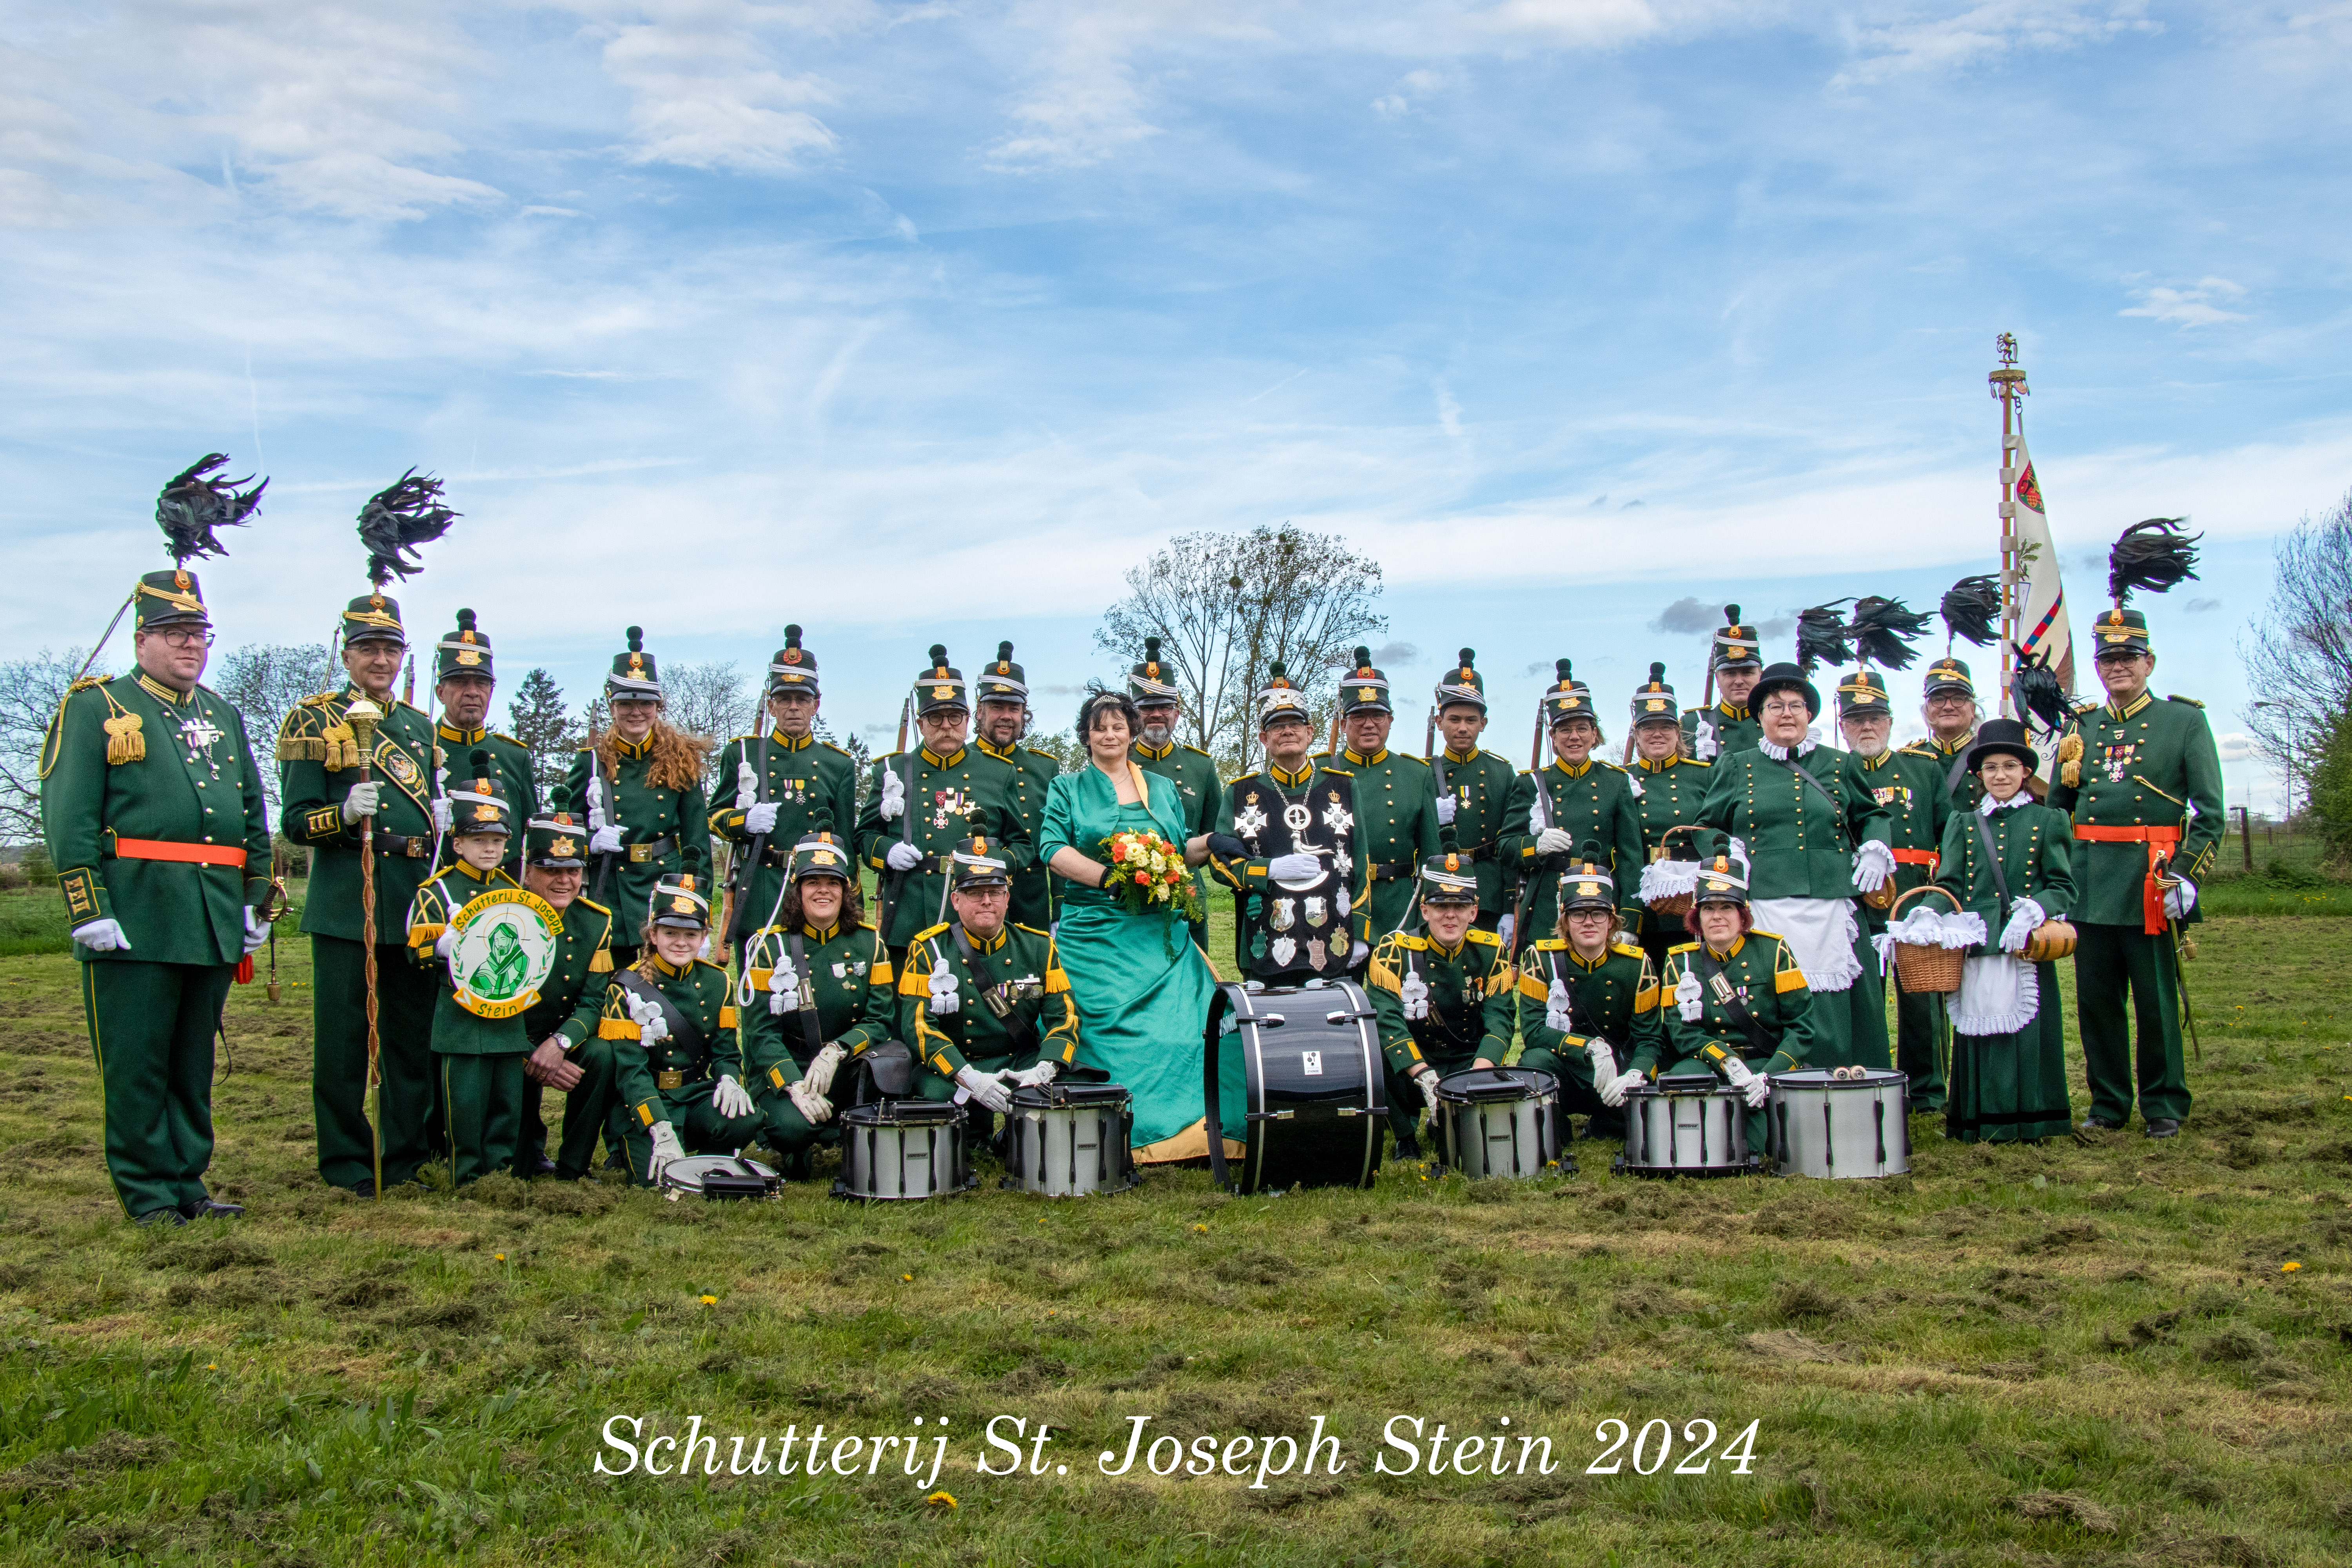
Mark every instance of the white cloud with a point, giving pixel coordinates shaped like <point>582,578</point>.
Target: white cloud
<point>1389,107</point>
<point>704,94</point>
<point>2193,307</point>
<point>1982,32</point>
<point>2236,745</point>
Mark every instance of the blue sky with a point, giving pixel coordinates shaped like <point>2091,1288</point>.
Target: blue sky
<point>909,321</point>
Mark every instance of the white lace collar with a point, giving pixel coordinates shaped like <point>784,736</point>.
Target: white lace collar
<point>1987,806</point>
<point>1780,753</point>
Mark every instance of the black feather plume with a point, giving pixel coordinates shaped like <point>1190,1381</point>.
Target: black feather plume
<point>404,514</point>
<point>2035,691</point>
<point>1972,607</point>
<point>1821,638</point>
<point>2155,555</point>
<point>1882,630</point>
<point>195,502</point>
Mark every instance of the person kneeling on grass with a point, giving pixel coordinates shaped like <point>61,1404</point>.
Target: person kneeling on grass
<point>1588,1002</point>
<point>672,1024</point>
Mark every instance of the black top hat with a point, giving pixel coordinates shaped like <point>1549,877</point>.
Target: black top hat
<point>793,668</point>
<point>1784,677</point>
<point>2007,735</point>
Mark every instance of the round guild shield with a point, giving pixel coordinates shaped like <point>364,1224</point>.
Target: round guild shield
<point>505,949</point>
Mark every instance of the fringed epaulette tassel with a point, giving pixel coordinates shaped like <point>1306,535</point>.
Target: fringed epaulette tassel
<point>2070,761</point>
<point>124,743</point>
<point>340,748</point>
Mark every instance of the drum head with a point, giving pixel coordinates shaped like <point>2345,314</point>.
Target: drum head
<point>1819,1078</point>
<point>1055,1094</point>
<point>1478,1086</point>
<point>905,1113</point>
<point>1689,1083</point>
<point>687,1174</point>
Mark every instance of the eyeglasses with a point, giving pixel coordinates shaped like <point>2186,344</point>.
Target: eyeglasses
<point>184,636</point>
<point>1784,705</point>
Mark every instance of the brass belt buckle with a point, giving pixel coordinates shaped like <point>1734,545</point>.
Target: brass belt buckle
<point>637,854</point>
<point>669,1080</point>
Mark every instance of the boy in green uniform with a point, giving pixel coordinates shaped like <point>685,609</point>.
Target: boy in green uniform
<point>1394,796</point>
<point>1672,786</point>
<point>983,1001</point>
<point>463,683</point>
<point>1586,1005</point>
<point>1158,703</point>
<point>1474,787</point>
<point>919,804</point>
<point>1950,709</point>
<point>1727,725</point>
<point>675,1057</point>
<point>571,999</point>
<point>1912,790</point>
<point>1003,688</point>
<point>774,784</point>
<point>1441,995</point>
<point>1575,796</point>
<point>152,811</point>
<point>641,779</point>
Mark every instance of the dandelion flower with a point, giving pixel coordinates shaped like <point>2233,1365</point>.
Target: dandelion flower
<point>709,1300</point>
<point>940,1500</point>
<point>907,1278</point>
<point>499,1256</point>
<point>1205,1229</point>
<point>2289,1267</point>
<point>212,1366</point>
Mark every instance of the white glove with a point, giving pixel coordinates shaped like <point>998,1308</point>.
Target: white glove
<point>1753,1085</point>
<point>1614,1093</point>
<point>605,841</point>
<point>444,944</point>
<point>595,808</point>
<point>759,819</point>
<point>730,1099</point>
<point>821,1069</point>
<point>106,936</point>
<point>361,802</point>
<point>1505,928</point>
<point>2025,918</point>
<point>1555,841</point>
<point>1293,868</point>
<point>1415,994</point>
<point>1037,1077</point>
<point>1604,1059</point>
<point>1636,784</point>
<point>1447,807</point>
<point>1873,864</point>
<point>442,815</point>
<point>1357,954</point>
<point>256,930</point>
<point>1702,743</point>
<point>2179,901</point>
<point>651,1024</point>
<point>704,951</point>
<point>986,1087</point>
<point>666,1148</point>
<point>943,992</point>
<point>783,989</point>
<point>1427,1079</point>
<point>812,1104</point>
<point>902,855</point>
<point>1558,1007</point>
<point>1689,997</point>
<point>893,796</point>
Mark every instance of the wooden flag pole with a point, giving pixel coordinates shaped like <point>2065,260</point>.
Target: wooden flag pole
<point>2008,383</point>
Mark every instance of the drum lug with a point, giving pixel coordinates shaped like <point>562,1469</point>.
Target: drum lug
<point>1271,1115</point>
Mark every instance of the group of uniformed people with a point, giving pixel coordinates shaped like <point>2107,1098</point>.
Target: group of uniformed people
<point>1482,905</point>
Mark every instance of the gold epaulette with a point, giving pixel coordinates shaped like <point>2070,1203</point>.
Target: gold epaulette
<point>1197,752</point>
<point>829,746</point>
<point>1407,940</point>
<point>1032,931</point>
<point>1759,931</point>
<point>1551,944</point>
<point>1691,761</point>
<point>1489,937</point>
<point>600,909</point>
<point>927,933</point>
<point>1339,773</point>
<point>1686,947</point>
<point>320,700</point>
<point>2176,696</point>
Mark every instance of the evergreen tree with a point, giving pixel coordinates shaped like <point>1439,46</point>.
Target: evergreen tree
<point>537,717</point>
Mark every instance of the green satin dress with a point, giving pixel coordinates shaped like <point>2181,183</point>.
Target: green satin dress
<point>1142,988</point>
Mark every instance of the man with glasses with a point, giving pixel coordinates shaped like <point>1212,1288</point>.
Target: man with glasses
<point>1950,710</point>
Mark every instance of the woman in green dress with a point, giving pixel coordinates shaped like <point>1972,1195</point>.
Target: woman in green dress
<point>1142,988</point>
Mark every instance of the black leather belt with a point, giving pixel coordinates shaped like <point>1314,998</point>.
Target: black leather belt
<point>1486,851</point>
<point>1390,870</point>
<point>403,845</point>
<point>651,849</point>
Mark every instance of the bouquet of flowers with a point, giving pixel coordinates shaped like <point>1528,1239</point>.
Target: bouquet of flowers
<point>1148,872</point>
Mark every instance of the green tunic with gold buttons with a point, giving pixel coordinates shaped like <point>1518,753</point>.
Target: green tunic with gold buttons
<point>804,776</point>
<point>1468,1017</point>
<point>1480,784</point>
<point>969,794</point>
<point>1613,998</point>
<point>479,1059</point>
<point>1592,800</point>
<point>512,762</point>
<point>1764,975</point>
<point>1728,727</point>
<point>1395,807</point>
<point>1671,792</point>
<point>1910,785</point>
<point>664,827</point>
<point>1033,773</point>
<point>1016,971</point>
<point>1950,758</point>
<point>672,1079</point>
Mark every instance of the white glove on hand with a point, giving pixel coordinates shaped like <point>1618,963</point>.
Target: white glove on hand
<point>595,808</point>
<point>893,796</point>
<point>2023,920</point>
<point>105,936</point>
<point>821,1069</point>
<point>1604,1059</point>
<point>1558,1007</point>
<point>1357,954</point>
<point>1415,994</point>
<point>986,1087</point>
<point>814,1106</point>
<point>1873,864</point>
<point>1703,745</point>
<point>651,1024</point>
<point>943,992</point>
<point>361,802</point>
<point>605,841</point>
<point>1689,997</point>
<point>1753,1085</point>
<point>1447,807</point>
<point>1427,1079</point>
<point>2179,901</point>
<point>759,819</point>
<point>1505,928</point>
<point>442,814</point>
<point>1293,868</point>
<point>783,989</point>
<point>444,944</point>
<point>256,930</point>
<point>729,1099</point>
<point>1614,1093</point>
<point>666,1148</point>
<point>1037,1077</point>
<point>903,856</point>
<point>1555,841</point>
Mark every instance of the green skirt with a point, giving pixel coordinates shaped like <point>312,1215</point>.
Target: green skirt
<point>2011,1088</point>
<point>1142,991</point>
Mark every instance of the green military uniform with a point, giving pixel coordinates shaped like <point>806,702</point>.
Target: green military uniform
<point>1722,727</point>
<point>992,1005</point>
<point>931,803</point>
<point>467,651</point>
<point>1191,770</point>
<point>673,1039</point>
<point>319,763</point>
<point>1033,773</point>
<point>1450,1008</point>
<point>1703,1031</point>
<point>1480,784</point>
<point>1564,805</point>
<point>152,811</point>
<point>2143,783</point>
<point>1588,1022</point>
<point>648,817</point>
<point>1807,844</point>
<point>1913,792</point>
<point>2008,1046</point>
<point>800,776</point>
<point>571,1001</point>
<point>1951,757</point>
<point>1394,801</point>
<point>1672,789</point>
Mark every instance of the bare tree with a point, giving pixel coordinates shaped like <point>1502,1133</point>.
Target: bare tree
<point>30,690</point>
<point>1227,606</point>
<point>708,699</point>
<point>2298,655</point>
<point>262,681</point>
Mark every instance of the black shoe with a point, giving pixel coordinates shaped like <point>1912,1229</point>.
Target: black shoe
<point>1408,1146</point>
<point>167,1218</point>
<point>2163,1127</point>
<point>209,1207</point>
<point>363,1188</point>
<point>545,1167</point>
<point>2094,1124</point>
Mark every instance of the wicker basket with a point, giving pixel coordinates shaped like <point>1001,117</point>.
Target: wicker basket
<point>1674,906</point>
<point>2051,941</point>
<point>1926,969</point>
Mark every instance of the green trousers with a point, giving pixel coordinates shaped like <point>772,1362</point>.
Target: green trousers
<point>2109,961</point>
<point>150,1025</point>
<point>482,1097</point>
<point>1578,1097</point>
<point>410,1106</point>
<point>2011,1088</point>
<point>588,1109</point>
<point>1405,1104</point>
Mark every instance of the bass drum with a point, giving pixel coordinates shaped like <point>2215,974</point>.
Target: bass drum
<point>1841,1128</point>
<point>1317,1095</point>
<point>1687,1124</point>
<point>1498,1121</point>
<point>905,1148</point>
<point>1069,1140</point>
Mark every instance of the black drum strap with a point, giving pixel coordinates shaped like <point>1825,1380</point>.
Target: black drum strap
<point>809,1021</point>
<point>2000,876</point>
<point>1020,1031</point>
<point>1710,969</point>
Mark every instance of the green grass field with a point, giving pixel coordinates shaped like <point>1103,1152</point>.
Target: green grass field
<point>2064,1354</point>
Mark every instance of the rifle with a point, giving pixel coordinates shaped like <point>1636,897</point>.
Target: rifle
<point>893,881</point>
<point>2183,947</point>
<point>438,792</point>
<point>612,811</point>
<point>362,717</point>
<point>739,884</point>
<point>1534,868</point>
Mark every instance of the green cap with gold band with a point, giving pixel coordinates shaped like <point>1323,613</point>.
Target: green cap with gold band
<point>2120,631</point>
<point>169,598</point>
<point>464,651</point>
<point>1462,686</point>
<point>793,668</point>
<point>822,852</point>
<point>1363,690</point>
<point>676,900</point>
<point>1948,673</point>
<point>1654,700</point>
<point>978,863</point>
<point>1001,679</point>
<point>1568,698</point>
<point>479,804</point>
<point>1862,692</point>
<point>1586,884</point>
<point>374,617</point>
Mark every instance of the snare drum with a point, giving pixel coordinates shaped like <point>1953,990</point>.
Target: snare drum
<point>1686,1125</point>
<point>1498,1121</point>
<point>1317,1087</point>
<point>1069,1140</point>
<point>1840,1126</point>
<point>718,1176</point>
<point>904,1149</point>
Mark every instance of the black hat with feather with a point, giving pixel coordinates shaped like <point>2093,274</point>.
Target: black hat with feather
<point>189,507</point>
<point>403,515</point>
<point>2158,555</point>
